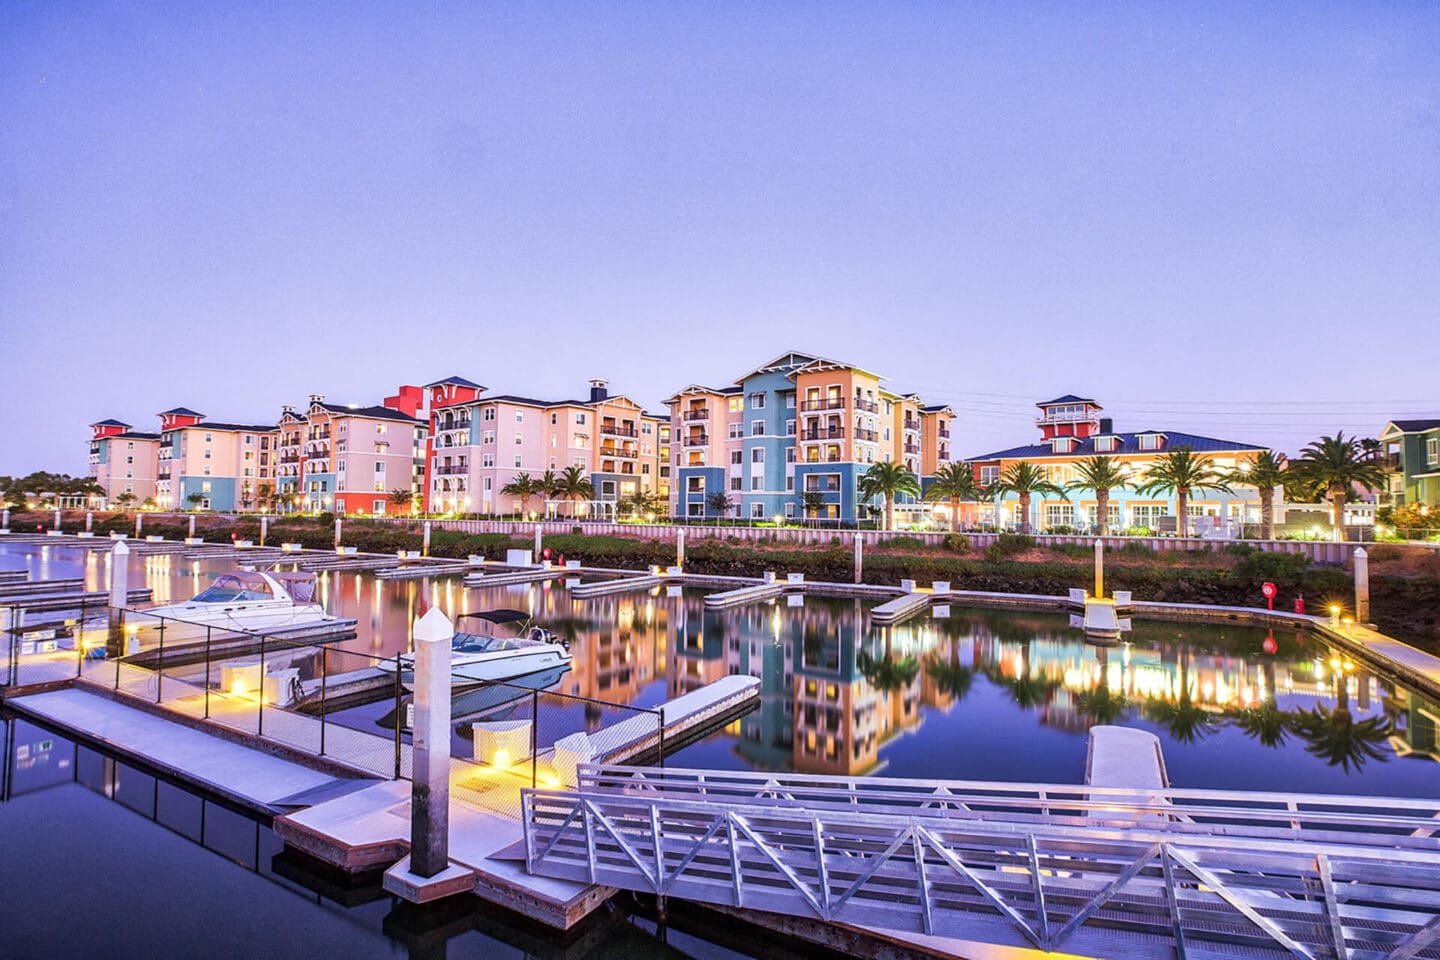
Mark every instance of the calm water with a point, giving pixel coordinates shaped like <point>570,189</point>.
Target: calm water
<point>971,695</point>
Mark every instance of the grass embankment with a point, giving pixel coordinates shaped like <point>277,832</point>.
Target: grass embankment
<point>1404,581</point>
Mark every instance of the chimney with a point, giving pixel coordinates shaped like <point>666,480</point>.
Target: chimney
<point>598,390</point>
<point>1107,425</point>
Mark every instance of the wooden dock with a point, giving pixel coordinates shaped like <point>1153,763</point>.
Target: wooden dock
<point>513,576</point>
<point>421,569</point>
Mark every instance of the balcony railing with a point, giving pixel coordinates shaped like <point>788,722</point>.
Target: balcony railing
<point>944,432</point>
<point>832,458</point>
<point>620,452</point>
<point>616,430</point>
<point>869,435</point>
<point>831,433</point>
<point>829,403</point>
<point>866,406</point>
<point>450,470</point>
<point>697,413</point>
<point>697,440</point>
<point>912,448</point>
<point>911,424</point>
<point>1065,418</point>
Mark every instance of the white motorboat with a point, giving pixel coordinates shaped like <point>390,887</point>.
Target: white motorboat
<point>490,658</point>
<point>246,600</point>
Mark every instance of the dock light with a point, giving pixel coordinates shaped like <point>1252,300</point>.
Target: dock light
<point>501,759</point>
<point>237,687</point>
<point>550,780</point>
<point>778,519</point>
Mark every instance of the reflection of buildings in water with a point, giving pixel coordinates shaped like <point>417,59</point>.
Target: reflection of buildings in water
<point>618,644</point>
<point>1415,724</point>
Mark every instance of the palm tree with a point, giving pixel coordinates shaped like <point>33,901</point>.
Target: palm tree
<point>1024,479</point>
<point>548,485</point>
<point>1264,472</point>
<point>401,497</point>
<point>522,487</point>
<point>195,499</point>
<point>812,502</point>
<point>719,502</point>
<point>1182,472</point>
<point>1101,474</point>
<point>1333,465</point>
<point>887,480</point>
<point>953,482</point>
<point>572,484</point>
<point>124,500</point>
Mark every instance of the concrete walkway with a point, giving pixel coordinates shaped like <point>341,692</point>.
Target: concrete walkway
<point>251,777</point>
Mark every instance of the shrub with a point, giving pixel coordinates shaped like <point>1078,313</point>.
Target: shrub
<point>1135,551</point>
<point>1011,544</point>
<point>1281,568</point>
<point>1077,550</point>
<point>1386,551</point>
<point>1063,529</point>
<point>957,542</point>
<point>577,530</point>
<point>1239,550</point>
<point>902,543</point>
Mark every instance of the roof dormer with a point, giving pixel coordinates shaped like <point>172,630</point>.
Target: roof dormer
<point>1150,440</point>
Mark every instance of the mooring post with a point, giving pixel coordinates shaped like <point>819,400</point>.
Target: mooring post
<point>537,558</point>
<point>89,521</point>
<point>140,523</point>
<point>859,556</point>
<point>338,521</point>
<point>5,520</point>
<point>191,534</point>
<point>119,593</point>
<point>1362,586</point>
<point>680,549</point>
<point>425,546</point>
<point>1099,568</point>
<point>430,738</point>
<point>264,529</point>
<point>57,519</point>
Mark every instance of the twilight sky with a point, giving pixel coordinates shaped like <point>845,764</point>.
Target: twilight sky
<point>1218,218</point>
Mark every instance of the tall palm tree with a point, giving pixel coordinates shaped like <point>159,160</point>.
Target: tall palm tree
<point>1024,479</point>
<point>720,503</point>
<point>1101,474</point>
<point>953,482</point>
<point>1332,466</point>
<point>523,487</point>
<point>1265,471</point>
<point>887,480</point>
<point>547,485</point>
<point>1182,472</point>
<point>572,485</point>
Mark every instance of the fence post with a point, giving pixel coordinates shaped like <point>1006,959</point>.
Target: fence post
<point>324,676</point>
<point>398,717</point>
<point>207,672</point>
<point>260,699</point>
<point>661,715</point>
<point>77,636</point>
<point>160,661</point>
<point>534,733</point>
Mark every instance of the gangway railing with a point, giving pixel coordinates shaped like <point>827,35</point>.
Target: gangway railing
<point>1084,869</point>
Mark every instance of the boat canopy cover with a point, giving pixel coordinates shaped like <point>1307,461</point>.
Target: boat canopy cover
<point>300,586</point>
<point>498,616</point>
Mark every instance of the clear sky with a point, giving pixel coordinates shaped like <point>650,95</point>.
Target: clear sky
<point>1216,217</point>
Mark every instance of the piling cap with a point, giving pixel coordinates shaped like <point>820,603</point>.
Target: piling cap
<point>434,625</point>
<point>120,549</point>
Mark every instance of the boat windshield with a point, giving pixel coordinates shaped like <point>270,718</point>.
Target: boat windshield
<point>474,643</point>
<point>230,588</point>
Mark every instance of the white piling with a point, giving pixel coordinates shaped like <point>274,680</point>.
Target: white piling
<point>430,783</point>
<point>139,522</point>
<point>680,548</point>
<point>859,556</point>
<point>264,529</point>
<point>425,548</point>
<point>538,556</point>
<point>1099,569</point>
<point>1362,586</point>
<point>89,521</point>
<point>338,521</point>
<point>57,518</point>
<point>5,519</point>
<point>119,594</point>
<point>192,527</point>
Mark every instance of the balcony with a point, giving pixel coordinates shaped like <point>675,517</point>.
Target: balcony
<point>451,469</point>
<point>290,458</point>
<point>832,458</point>
<point>912,448</point>
<point>867,435</point>
<point>943,431</point>
<point>616,430</point>
<point>1058,416</point>
<point>911,425</point>
<point>829,403</point>
<point>624,453</point>
<point>697,413</point>
<point>697,440</point>
<point>831,433</point>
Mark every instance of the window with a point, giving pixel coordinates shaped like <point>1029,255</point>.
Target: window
<point>1432,450</point>
<point>487,459</point>
<point>736,404</point>
<point>379,466</point>
<point>1148,514</point>
<point>989,475</point>
<point>735,483</point>
<point>205,487</point>
<point>757,511</point>
<point>489,414</point>
<point>695,484</point>
<point>1104,444</point>
<point>209,437</point>
<point>757,401</point>
<point>789,454</point>
<point>517,460</point>
<point>130,445</point>
<point>735,431</point>
<point>737,456</point>
<point>519,438</point>
<point>487,436</point>
<point>487,484</point>
<point>519,416</point>
<point>757,483</point>
<point>757,455</point>
<point>207,454</point>
<point>789,428</point>
<point>757,428</point>
<point>554,419</point>
<point>790,483</point>
<point>580,419</point>
<point>789,401</point>
<point>1059,514</point>
<point>1149,441</point>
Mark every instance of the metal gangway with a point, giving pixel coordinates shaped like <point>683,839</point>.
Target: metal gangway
<point>1095,871</point>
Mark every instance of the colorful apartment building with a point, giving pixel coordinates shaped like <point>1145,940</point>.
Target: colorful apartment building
<point>207,465</point>
<point>1072,430</point>
<point>1412,449</point>
<point>796,425</point>
<point>481,443</point>
<point>123,461</point>
<point>349,459</point>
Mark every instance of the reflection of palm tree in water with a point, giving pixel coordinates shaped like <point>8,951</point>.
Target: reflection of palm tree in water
<point>951,678</point>
<point>1027,690</point>
<point>1335,736</point>
<point>1183,719</point>
<point>1265,723</point>
<point>1101,705</point>
<point>888,673</point>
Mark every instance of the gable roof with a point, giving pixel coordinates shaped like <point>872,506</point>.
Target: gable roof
<point>134,435</point>
<point>180,412</point>
<point>232,427</point>
<point>789,360</point>
<point>457,381</point>
<point>1412,426</point>
<point>109,423</point>
<point>1068,398</point>
<point>373,412</point>
<point>700,388</point>
<point>1129,443</point>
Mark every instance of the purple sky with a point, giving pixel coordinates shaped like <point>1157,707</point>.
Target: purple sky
<point>1223,219</point>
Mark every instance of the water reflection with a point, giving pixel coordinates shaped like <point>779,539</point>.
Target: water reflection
<point>977,694</point>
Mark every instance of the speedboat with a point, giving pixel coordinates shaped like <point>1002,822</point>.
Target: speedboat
<point>246,600</point>
<point>488,657</point>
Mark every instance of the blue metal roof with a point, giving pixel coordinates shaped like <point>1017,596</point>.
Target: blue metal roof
<point>1129,444</point>
<point>1068,398</point>
<point>181,412</point>
<point>458,381</point>
<point>1416,426</point>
